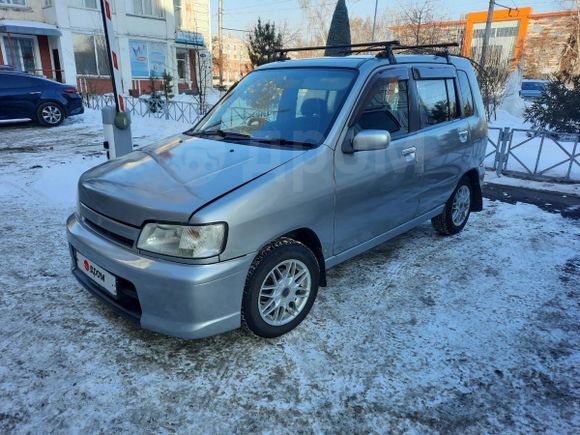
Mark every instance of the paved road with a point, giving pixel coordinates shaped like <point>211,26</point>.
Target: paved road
<point>566,205</point>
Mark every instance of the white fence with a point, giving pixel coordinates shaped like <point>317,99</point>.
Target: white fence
<point>534,154</point>
<point>180,111</point>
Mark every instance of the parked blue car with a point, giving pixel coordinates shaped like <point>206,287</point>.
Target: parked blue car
<point>25,96</point>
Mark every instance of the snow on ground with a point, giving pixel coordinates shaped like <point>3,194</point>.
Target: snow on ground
<point>468,334</point>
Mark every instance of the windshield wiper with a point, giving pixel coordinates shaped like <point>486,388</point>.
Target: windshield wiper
<point>282,141</point>
<point>221,133</point>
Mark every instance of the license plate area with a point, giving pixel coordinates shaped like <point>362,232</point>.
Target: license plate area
<point>97,274</point>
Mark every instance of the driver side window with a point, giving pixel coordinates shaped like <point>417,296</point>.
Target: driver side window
<point>386,109</point>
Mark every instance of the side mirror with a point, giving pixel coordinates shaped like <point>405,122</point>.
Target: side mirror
<point>368,140</point>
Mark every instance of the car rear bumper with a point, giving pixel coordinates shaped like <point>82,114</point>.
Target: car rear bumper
<point>76,109</point>
<point>182,300</point>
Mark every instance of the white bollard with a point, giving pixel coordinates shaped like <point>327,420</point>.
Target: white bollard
<point>117,130</point>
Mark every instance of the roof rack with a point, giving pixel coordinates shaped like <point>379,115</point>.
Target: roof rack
<point>384,49</point>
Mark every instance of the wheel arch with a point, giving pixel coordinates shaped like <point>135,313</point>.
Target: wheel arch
<point>309,238</point>
<point>477,194</point>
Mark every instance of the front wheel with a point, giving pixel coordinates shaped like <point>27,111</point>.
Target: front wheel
<point>456,211</point>
<point>281,287</point>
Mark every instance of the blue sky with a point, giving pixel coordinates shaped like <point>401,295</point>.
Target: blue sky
<point>242,14</point>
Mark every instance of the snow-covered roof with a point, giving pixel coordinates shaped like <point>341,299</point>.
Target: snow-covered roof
<point>28,27</point>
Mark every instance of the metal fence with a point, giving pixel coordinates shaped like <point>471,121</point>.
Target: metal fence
<point>180,111</point>
<point>534,154</point>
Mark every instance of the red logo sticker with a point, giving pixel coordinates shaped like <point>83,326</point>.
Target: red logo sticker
<point>86,264</point>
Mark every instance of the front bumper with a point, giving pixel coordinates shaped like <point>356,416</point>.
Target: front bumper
<point>182,300</point>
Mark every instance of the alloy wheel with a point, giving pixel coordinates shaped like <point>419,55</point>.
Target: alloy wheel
<point>284,292</point>
<point>461,205</point>
<point>51,114</point>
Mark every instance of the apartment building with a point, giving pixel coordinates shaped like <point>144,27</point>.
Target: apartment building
<point>63,40</point>
<point>236,62</point>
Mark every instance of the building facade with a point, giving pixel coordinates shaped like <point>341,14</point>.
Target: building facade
<point>236,62</point>
<point>64,40</point>
<point>535,41</point>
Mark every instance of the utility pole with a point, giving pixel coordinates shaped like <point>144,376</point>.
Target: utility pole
<point>375,20</point>
<point>487,33</point>
<point>221,40</point>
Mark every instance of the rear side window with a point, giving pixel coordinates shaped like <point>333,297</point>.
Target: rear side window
<point>466,94</point>
<point>437,101</point>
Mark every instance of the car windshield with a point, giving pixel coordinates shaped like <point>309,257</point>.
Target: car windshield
<point>533,86</point>
<point>287,106</point>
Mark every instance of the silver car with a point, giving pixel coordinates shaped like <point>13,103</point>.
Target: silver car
<point>303,165</point>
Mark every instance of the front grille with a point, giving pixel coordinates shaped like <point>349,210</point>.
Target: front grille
<point>108,234</point>
<point>111,229</point>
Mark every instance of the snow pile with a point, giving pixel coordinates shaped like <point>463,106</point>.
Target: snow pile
<point>512,102</point>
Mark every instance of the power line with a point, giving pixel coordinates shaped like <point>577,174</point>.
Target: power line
<point>237,30</point>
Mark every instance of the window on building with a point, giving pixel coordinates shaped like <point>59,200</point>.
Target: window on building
<point>466,94</point>
<point>149,8</point>
<point>387,109</point>
<point>20,53</point>
<point>147,58</point>
<point>88,4</point>
<point>178,13</point>
<point>13,2</point>
<point>437,101</point>
<point>182,64</point>
<point>91,56</point>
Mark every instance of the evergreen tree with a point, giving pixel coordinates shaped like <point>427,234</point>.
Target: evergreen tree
<point>263,41</point>
<point>167,85</point>
<point>339,33</point>
<point>558,108</point>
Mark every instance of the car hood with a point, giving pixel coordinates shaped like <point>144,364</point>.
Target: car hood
<point>170,180</point>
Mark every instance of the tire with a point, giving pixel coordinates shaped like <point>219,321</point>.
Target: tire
<point>456,211</point>
<point>269,309</point>
<point>50,114</point>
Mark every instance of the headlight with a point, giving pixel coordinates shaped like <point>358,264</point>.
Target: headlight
<point>187,241</point>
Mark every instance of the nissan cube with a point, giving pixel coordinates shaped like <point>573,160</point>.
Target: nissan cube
<point>301,166</point>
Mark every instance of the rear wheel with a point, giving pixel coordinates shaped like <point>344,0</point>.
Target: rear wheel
<point>50,114</point>
<point>456,211</point>
<point>280,288</point>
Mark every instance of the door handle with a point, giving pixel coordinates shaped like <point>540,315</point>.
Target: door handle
<point>463,135</point>
<point>35,93</point>
<point>409,153</point>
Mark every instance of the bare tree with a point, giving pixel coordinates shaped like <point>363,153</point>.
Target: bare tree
<point>204,80</point>
<point>570,59</point>
<point>318,16</point>
<point>493,79</point>
<point>418,22</point>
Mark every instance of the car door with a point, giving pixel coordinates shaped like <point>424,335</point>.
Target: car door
<point>377,190</point>
<point>19,96</point>
<point>445,135</point>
